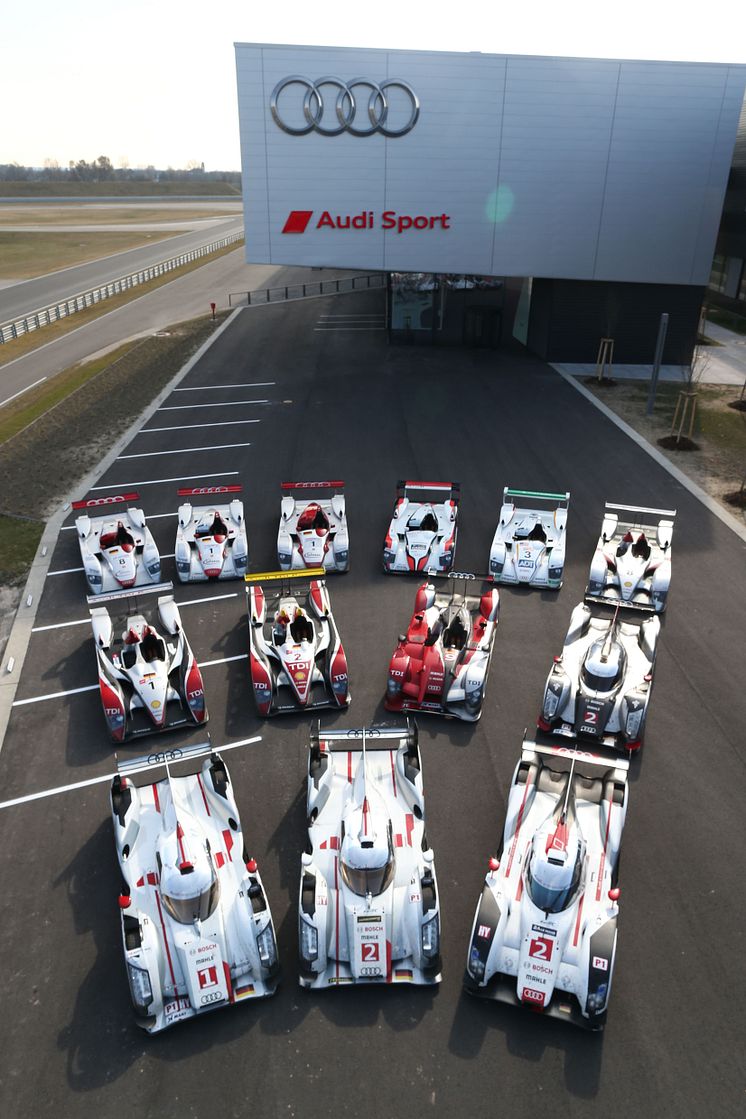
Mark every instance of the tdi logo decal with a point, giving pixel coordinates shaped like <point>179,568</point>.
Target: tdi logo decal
<point>298,220</point>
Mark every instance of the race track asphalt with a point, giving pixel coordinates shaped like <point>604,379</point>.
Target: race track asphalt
<point>343,404</point>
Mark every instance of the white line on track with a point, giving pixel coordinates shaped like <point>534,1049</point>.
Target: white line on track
<point>250,385</point>
<point>110,776</point>
<point>70,570</point>
<point>191,427</point>
<point>94,687</point>
<point>87,621</point>
<point>222,404</point>
<point>151,517</point>
<point>341,329</point>
<point>186,450</point>
<point>22,391</point>
<point>158,481</point>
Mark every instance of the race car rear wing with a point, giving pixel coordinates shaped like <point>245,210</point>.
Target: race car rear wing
<point>133,592</point>
<point>337,485</point>
<point>588,763</point>
<point>453,489</point>
<point>641,509</point>
<point>207,491</point>
<point>149,768</point>
<point>376,738</point>
<point>301,573</point>
<point>559,499</point>
<point>98,502</point>
<point>627,610</point>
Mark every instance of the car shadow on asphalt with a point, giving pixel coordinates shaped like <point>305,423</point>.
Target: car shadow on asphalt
<point>527,1036</point>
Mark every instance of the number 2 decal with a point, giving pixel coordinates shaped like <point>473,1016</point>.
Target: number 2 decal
<point>370,953</point>
<point>541,948</point>
<point>591,717</point>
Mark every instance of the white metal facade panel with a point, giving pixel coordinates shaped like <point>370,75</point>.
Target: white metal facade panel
<point>548,167</point>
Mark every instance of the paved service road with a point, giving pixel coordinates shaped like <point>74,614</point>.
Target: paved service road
<point>32,295</point>
<point>341,404</point>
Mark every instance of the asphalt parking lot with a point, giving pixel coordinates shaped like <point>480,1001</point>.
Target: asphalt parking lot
<point>311,390</point>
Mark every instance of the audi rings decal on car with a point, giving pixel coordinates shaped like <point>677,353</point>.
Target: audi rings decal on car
<point>348,108</point>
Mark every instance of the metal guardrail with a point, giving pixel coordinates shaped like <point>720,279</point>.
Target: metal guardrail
<point>35,320</point>
<point>301,291</point>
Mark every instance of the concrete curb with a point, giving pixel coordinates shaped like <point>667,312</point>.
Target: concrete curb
<point>17,647</point>
<point>709,502</point>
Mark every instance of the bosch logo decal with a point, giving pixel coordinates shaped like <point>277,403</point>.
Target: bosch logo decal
<point>345,110</point>
<point>298,221</point>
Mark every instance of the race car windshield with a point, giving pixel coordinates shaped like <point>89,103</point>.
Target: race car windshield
<point>549,890</point>
<point>597,683</point>
<point>188,910</point>
<point>369,880</point>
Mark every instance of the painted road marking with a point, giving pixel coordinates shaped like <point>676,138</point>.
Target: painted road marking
<point>222,404</point>
<point>190,427</point>
<point>70,570</point>
<point>87,621</point>
<point>250,385</point>
<point>158,481</point>
<point>186,450</point>
<point>22,391</point>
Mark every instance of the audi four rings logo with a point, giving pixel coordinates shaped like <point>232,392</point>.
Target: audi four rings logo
<point>346,112</point>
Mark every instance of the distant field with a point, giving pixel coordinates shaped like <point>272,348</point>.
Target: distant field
<point>42,213</point>
<point>193,188</point>
<point>25,255</point>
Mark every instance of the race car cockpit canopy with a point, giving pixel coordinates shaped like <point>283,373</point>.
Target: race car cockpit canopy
<point>189,886</point>
<point>367,852</point>
<point>313,516</point>
<point>216,528</point>
<point>554,867</point>
<point>424,519</point>
<point>604,666</point>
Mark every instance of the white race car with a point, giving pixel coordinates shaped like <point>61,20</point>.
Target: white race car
<point>117,549</point>
<point>369,910</point>
<point>296,657</point>
<point>422,534</point>
<point>196,925</point>
<point>148,676</point>
<point>211,539</point>
<point>529,544</point>
<point>313,533</point>
<point>632,563</point>
<point>600,687</point>
<point>545,929</point>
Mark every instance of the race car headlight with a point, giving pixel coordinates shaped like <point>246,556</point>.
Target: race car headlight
<point>632,726</point>
<point>473,696</point>
<point>142,992</point>
<point>393,687</point>
<point>266,947</point>
<point>597,1000</point>
<point>555,573</point>
<point>339,685</point>
<point>388,555</point>
<point>430,937</point>
<point>182,566</point>
<point>95,578</point>
<point>476,965</point>
<point>309,942</point>
<point>154,567</point>
<point>496,565</point>
<point>551,703</point>
<point>284,557</point>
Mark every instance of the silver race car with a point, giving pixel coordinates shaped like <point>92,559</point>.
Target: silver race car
<point>211,539</point>
<point>117,549</point>
<point>296,657</point>
<point>599,688</point>
<point>440,665</point>
<point>147,673</point>
<point>313,532</point>
<point>632,563</point>
<point>196,926</point>
<point>422,534</point>
<point>529,544</point>
<point>545,929</point>
<point>369,910</point>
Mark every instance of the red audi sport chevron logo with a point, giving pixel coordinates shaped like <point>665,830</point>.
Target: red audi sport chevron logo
<point>297,221</point>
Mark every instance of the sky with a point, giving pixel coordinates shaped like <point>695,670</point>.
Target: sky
<point>153,81</point>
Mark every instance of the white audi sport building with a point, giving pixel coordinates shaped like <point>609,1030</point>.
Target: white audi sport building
<point>592,186</point>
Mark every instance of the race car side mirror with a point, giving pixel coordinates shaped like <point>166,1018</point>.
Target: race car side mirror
<point>429,855</point>
<point>306,859</point>
<point>614,894</point>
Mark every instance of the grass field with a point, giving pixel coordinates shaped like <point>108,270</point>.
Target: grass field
<point>25,255</point>
<point>29,342</point>
<point>192,187</point>
<point>115,213</point>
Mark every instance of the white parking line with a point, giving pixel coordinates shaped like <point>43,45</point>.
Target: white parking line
<point>87,621</point>
<point>222,404</point>
<point>158,481</point>
<point>94,687</point>
<point>250,385</point>
<point>70,570</point>
<point>341,329</point>
<point>190,427</point>
<point>187,450</point>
